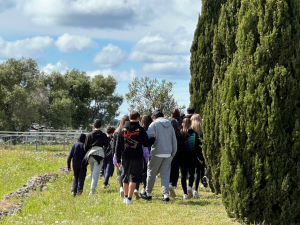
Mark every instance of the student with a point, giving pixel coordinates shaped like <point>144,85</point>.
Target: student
<point>77,154</point>
<point>174,175</point>
<point>162,153</point>
<point>119,169</point>
<point>129,144</point>
<point>108,159</point>
<point>145,123</point>
<point>200,165</point>
<point>94,146</point>
<point>187,162</point>
<point>190,111</point>
<point>176,115</point>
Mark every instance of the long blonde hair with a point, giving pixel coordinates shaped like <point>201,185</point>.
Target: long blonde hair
<point>186,125</point>
<point>197,124</point>
<point>122,123</point>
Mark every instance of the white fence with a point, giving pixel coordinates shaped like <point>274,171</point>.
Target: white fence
<point>54,140</point>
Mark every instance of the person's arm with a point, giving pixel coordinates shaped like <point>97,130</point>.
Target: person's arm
<point>70,156</point>
<point>119,147</point>
<point>145,141</point>
<point>198,148</point>
<point>151,130</point>
<point>86,144</point>
<point>174,143</point>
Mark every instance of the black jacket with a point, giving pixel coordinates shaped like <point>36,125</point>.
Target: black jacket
<point>130,140</point>
<point>110,150</point>
<point>197,152</point>
<point>77,152</point>
<point>95,138</point>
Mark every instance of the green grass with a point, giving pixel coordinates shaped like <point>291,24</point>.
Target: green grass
<point>57,206</point>
<point>17,166</point>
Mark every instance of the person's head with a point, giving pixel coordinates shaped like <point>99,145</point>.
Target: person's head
<point>197,124</point>
<point>122,122</point>
<point>175,113</point>
<point>97,124</point>
<point>110,130</point>
<point>157,113</point>
<point>186,125</point>
<point>175,126</point>
<point>182,115</point>
<point>190,110</point>
<point>134,116</point>
<point>146,121</point>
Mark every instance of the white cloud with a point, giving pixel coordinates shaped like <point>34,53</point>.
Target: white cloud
<point>59,66</point>
<point>110,56</point>
<point>29,47</point>
<point>164,53</point>
<point>121,76</point>
<point>117,14</point>
<point>74,43</point>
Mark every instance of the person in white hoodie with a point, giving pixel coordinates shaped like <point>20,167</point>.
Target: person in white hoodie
<point>162,152</point>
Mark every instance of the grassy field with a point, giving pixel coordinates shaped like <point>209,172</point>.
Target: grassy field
<point>57,206</point>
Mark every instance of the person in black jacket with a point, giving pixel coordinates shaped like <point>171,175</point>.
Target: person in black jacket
<point>77,153</point>
<point>129,144</point>
<point>108,159</point>
<point>94,146</point>
<point>188,157</point>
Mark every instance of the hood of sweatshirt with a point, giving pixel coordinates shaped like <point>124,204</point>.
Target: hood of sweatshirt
<point>81,138</point>
<point>164,122</point>
<point>131,126</point>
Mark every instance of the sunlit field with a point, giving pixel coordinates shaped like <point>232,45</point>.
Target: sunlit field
<point>57,206</point>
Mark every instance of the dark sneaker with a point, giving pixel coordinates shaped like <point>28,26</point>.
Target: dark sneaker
<point>166,199</point>
<point>146,197</point>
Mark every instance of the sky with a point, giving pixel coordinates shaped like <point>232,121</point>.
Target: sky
<point>122,38</point>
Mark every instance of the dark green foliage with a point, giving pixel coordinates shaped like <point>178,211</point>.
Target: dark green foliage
<point>260,119</point>
<point>202,65</point>
<point>224,48</point>
<point>251,117</point>
<point>57,100</point>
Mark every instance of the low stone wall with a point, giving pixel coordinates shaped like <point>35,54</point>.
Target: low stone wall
<point>36,183</point>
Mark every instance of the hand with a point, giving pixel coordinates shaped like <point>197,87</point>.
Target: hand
<point>119,164</point>
<point>69,169</point>
<point>201,162</point>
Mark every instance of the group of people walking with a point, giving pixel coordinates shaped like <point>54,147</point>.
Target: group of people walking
<point>140,148</point>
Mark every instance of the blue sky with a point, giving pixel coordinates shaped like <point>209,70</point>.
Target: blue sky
<point>122,38</point>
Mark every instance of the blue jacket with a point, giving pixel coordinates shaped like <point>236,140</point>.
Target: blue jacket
<point>77,152</point>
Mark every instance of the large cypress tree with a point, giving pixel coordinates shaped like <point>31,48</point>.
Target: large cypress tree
<point>202,65</point>
<point>259,102</point>
<point>224,48</point>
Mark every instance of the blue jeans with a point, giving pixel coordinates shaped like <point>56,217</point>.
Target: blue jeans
<point>79,178</point>
<point>108,169</point>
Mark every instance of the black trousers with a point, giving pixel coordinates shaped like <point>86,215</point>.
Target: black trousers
<point>174,175</point>
<point>79,178</point>
<point>137,186</point>
<point>187,165</point>
<point>199,173</point>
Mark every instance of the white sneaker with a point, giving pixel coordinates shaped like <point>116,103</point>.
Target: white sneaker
<point>172,191</point>
<point>128,202</point>
<point>136,194</point>
<point>156,178</point>
<point>201,186</point>
<point>196,194</point>
<point>121,192</point>
<point>143,191</point>
<point>124,200</point>
<point>185,197</point>
<point>190,192</point>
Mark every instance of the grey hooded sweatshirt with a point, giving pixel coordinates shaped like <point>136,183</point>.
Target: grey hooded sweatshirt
<point>166,142</point>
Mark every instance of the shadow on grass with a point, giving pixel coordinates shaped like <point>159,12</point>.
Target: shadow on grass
<point>198,203</point>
